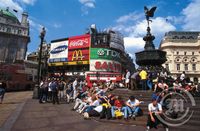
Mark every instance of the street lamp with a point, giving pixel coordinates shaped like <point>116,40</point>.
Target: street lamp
<point>42,34</point>
<point>36,89</point>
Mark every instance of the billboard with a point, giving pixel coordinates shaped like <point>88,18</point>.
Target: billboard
<point>105,65</point>
<point>59,51</point>
<point>78,55</point>
<point>104,53</point>
<point>79,42</point>
<point>116,41</point>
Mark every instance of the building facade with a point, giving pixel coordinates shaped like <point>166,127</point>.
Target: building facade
<point>183,53</point>
<point>14,36</point>
<point>94,52</point>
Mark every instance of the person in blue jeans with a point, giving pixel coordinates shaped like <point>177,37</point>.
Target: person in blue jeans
<point>133,106</point>
<point>119,105</point>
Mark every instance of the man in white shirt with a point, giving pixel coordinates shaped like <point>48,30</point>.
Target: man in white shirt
<point>127,79</point>
<point>133,106</point>
<point>155,109</point>
<point>182,77</point>
<point>75,83</point>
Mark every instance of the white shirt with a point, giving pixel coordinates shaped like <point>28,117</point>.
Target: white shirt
<point>74,84</point>
<point>133,103</point>
<point>95,103</point>
<point>128,75</point>
<point>99,108</point>
<point>153,108</point>
<point>49,87</point>
<point>182,76</point>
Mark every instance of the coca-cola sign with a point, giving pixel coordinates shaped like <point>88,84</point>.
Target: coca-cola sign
<point>77,42</point>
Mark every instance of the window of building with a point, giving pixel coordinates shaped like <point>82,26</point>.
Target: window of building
<point>9,30</point>
<point>167,66</point>
<point>185,53</point>
<point>185,60</point>
<point>177,52</point>
<point>186,67</point>
<point>192,53</point>
<point>194,67</point>
<point>178,67</point>
<point>19,32</point>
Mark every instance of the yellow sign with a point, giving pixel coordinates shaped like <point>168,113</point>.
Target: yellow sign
<point>69,63</point>
<point>77,55</point>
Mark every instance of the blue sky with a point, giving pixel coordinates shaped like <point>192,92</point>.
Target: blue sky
<point>64,18</point>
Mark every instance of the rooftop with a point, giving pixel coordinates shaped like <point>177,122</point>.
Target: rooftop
<point>7,13</point>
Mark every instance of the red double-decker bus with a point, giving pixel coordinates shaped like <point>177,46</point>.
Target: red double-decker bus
<point>99,77</point>
<point>18,76</point>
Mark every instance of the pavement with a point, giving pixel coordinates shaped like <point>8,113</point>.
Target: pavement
<point>20,112</point>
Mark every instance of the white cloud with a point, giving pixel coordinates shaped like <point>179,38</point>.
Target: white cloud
<point>34,25</point>
<point>192,16</point>
<point>29,2</point>
<point>136,42</point>
<point>57,25</point>
<point>88,3</point>
<point>11,4</point>
<point>130,17</point>
<point>134,29</point>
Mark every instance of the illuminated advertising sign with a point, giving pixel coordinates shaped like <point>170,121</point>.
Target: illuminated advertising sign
<point>79,42</point>
<point>104,53</point>
<point>59,51</point>
<point>116,41</point>
<point>78,55</point>
<point>105,65</point>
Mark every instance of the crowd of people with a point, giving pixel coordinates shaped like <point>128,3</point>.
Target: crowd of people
<point>97,101</point>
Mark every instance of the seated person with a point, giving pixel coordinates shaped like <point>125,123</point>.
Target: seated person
<point>154,109</point>
<point>133,106</point>
<point>119,105</point>
<point>161,86</point>
<point>94,112</point>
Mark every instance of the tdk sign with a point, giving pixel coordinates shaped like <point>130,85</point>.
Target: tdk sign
<point>59,49</point>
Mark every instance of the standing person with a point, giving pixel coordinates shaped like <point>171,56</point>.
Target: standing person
<point>43,91</point>
<point>75,83</point>
<point>134,80</point>
<point>49,90</point>
<point>127,79</point>
<point>143,76</point>
<point>182,77</point>
<point>155,110</point>
<point>54,88</point>
<point>61,86</point>
<point>2,91</point>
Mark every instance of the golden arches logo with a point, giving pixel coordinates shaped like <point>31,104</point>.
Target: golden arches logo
<point>77,55</point>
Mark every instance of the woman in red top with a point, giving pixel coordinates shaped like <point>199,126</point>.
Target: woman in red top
<point>118,105</point>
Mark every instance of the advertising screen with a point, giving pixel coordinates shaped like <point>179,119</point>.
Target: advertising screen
<point>78,42</point>
<point>78,55</point>
<point>105,65</point>
<point>59,51</point>
<point>104,53</point>
<point>116,41</point>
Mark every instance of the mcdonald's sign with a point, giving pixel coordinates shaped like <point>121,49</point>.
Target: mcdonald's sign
<point>78,55</point>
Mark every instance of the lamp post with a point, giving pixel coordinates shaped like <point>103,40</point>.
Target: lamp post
<point>36,89</point>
